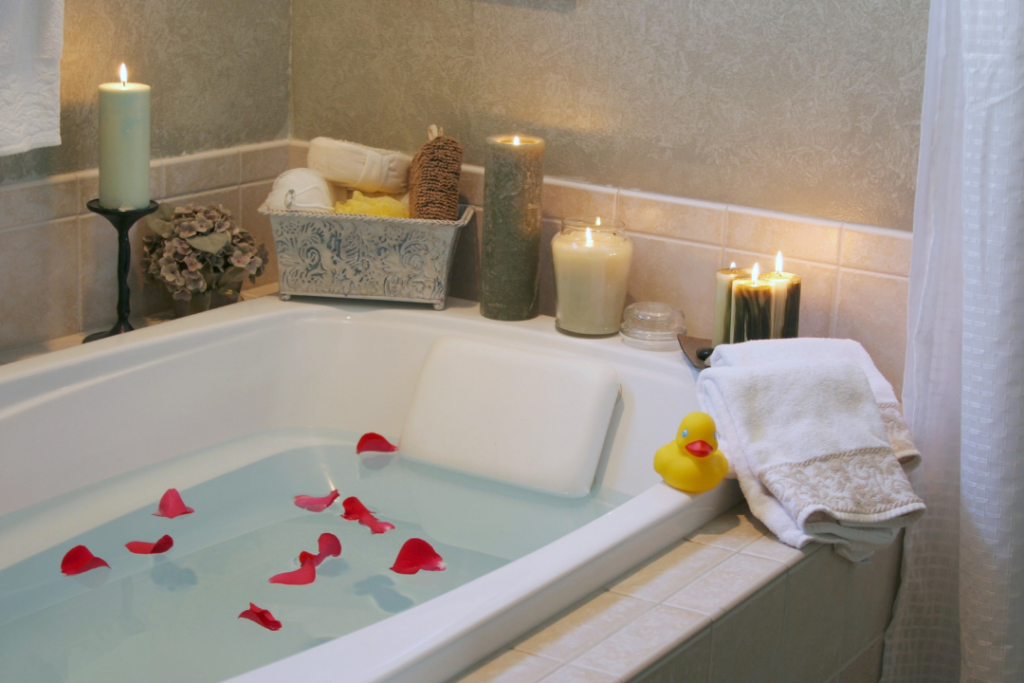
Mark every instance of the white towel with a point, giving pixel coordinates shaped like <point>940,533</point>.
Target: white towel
<point>808,350</point>
<point>811,453</point>
<point>31,40</point>
<point>359,167</point>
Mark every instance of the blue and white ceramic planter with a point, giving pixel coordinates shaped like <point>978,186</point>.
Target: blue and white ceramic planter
<point>365,257</point>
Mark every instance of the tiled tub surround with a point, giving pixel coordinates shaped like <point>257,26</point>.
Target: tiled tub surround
<point>729,604</point>
<point>57,260</point>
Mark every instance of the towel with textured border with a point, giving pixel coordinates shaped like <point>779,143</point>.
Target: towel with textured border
<point>808,350</point>
<point>811,453</point>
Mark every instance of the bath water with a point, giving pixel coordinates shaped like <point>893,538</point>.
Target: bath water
<point>173,617</point>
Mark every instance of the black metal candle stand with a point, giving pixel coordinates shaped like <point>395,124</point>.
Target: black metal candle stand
<point>122,222</point>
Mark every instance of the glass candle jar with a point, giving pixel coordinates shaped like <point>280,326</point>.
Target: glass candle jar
<point>591,259</point>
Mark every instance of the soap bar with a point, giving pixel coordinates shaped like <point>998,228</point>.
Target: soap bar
<point>529,418</point>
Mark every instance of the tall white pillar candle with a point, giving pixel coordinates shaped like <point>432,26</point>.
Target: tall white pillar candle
<point>591,263</point>
<point>124,144</point>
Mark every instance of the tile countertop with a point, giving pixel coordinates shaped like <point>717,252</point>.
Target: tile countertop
<point>668,604</point>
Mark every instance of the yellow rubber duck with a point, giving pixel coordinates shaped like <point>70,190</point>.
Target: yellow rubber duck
<point>692,462</point>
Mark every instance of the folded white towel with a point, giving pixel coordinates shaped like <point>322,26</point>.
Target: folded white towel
<point>359,167</point>
<point>811,453</point>
<point>31,39</point>
<point>808,350</point>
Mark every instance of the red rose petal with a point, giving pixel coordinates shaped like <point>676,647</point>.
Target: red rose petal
<point>354,509</point>
<point>142,548</point>
<point>376,526</point>
<point>415,555</point>
<point>372,441</point>
<point>305,557</point>
<point>79,560</point>
<point>316,504</point>
<point>261,616</point>
<point>330,546</point>
<point>305,574</point>
<point>171,505</point>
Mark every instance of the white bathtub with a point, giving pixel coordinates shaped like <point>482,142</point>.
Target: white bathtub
<point>83,415</point>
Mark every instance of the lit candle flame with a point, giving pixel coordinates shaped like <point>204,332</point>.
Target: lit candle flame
<point>124,75</point>
<point>732,266</point>
<point>590,238</point>
<point>778,262</point>
<point>599,220</point>
<point>754,273</point>
<point>515,140</point>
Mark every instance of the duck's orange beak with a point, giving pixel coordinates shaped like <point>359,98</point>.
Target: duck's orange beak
<point>699,448</point>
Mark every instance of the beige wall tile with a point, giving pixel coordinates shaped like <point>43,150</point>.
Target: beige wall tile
<point>867,668</point>
<point>817,289</point>
<point>201,172</point>
<point>678,273</point>
<point>732,530</point>
<point>727,585</point>
<point>264,161</point>
<point>38,283</point>
<point>566,199</point>
<point>877,250</point>
<point>252,196</point>
<point>572,674</point>
<point>464,282</point>
<point>672,217</point>
<point>768,233</point>
<point>773,549</point>
<point>643,642</point>
<point>298,150</point>
<point>549,229</point>
<point>747,642</point>
<point>873,310</point>
<point>38,201</point>
<point>690,663</point>
<point>872,587</point>
<point>815,594</point>
<point>229,197</point>
<point>89,183</point>
<point>584,626</point>
<point>665,575</point>
<point>512,667</point>
<point>471,185</point>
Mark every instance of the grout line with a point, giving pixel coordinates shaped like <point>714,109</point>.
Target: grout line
<point>647,235</point>
<point>841,244</point>
<point>834,313</point>
<point>78,285</point>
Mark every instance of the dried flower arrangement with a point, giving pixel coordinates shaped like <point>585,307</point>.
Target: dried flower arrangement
<point>198,250</point>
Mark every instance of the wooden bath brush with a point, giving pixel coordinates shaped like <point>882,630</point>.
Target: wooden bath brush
<point>434,178</point>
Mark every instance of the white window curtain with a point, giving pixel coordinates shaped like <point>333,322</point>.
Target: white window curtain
<point>960,610</point>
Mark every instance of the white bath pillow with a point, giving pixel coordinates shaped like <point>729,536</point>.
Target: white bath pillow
<point>524,417</point>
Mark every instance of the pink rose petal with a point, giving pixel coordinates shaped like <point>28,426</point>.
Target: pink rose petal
<point>164,544</point>
<point>415,555</point>
<point>261,616</point>
<point>305,574</point>
<point>376,526</point>
<point>330,546</point>
<point>316,504</point>
<point>79,560</point>
<point>372,441</point>
<point>354,509</point>
<point>171,505</point>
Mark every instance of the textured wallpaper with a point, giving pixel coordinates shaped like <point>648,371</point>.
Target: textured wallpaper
<point>805,106</point>
<point>218,68</point>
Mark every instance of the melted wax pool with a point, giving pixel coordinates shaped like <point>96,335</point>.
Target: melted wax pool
<point>173,617</point>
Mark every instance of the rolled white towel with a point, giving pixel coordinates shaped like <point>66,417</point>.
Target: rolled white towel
<point>811,453</point>
<point>810,349</point>
<point>359,167</point>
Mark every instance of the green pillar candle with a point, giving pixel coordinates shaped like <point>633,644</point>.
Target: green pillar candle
<point>785,301</point>
<point>124,144</point>
<point>721,332</point>
<point>513,179</point>
<point>751,308</point>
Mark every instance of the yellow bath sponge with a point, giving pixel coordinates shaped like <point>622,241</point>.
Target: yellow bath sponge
<point>372,206</point>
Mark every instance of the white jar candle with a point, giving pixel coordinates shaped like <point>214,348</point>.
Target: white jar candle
<point>124,144</point>
<point>591,259</point>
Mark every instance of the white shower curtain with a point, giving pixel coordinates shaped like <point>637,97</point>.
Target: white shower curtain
<point>960,610</point>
